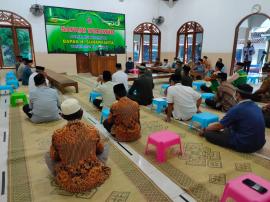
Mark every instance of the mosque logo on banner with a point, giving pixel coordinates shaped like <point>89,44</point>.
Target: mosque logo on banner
<point>89,20</point>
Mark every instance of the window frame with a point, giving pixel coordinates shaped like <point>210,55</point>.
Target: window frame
<point>186,29</point>
<point>11,20</point>
<point>147,28</point>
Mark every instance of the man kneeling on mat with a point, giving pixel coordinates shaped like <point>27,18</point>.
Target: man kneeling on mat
<point>77,154</point>
<point>242,128</point>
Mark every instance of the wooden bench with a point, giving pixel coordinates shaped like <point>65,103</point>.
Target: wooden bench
<point>132,77</point>
<point>60,81</point>
<point>163,70</point>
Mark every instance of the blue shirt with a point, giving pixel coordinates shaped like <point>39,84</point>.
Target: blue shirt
<point>199,68</point>
<point>44,102</point>
<point>26,74</point>
<point>247,128</point>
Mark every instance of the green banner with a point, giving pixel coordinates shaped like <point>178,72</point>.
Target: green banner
<point>80,31</point>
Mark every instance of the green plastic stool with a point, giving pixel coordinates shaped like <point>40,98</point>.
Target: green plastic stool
<point>18,96</point>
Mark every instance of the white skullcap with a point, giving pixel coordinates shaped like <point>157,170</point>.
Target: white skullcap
<point>70,106</point>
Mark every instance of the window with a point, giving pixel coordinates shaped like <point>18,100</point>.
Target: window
<point>15,38</point>
<point>146,43</point>
<point>189,42</point>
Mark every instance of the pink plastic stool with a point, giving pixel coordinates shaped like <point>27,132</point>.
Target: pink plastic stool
<point>134,71</point>
<point>238,191</point>
<point>162,140</point>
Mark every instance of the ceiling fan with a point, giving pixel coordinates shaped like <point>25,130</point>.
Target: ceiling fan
<point>171,2</point>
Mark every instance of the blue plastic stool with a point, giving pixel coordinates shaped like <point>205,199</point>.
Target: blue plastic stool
<point>11,73</point>
<point>11,77</point>
<point>208,96</point>
<point>104,114</point>
<point>198,84</point>
<point>163,88</point>
<point>13,83</point>
<point>93,95</point>
<point>161,104</point>
<point>204,119</point>
<point>7,87</point>
<point>253,79</point>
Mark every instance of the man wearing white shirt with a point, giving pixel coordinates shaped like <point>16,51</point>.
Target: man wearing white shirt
<point>165,63</point>
<point>183,101</point>
<point>120,77</point>
<point>31,82</point>
<point>105,87</point>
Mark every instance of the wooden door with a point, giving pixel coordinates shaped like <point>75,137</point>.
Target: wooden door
<point>82,63</point>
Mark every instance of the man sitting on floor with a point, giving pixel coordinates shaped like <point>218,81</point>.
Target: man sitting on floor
<point>31,83</point>
<point>76,151</point>
<point>263,93</point>
<point>174,62</point>
<point>213,79</point>
<point>224,99</point>
<point>178,68</point>
<point>266,115</point>
<point>124,120</point>
<point>19,73</point>
<point>198,71</point>
<point>142,89</point>
<point>186,80</point>
<point>44,102</point>
<point>26,72</point>
<point>19,61</point>
<point>105,87</point>
<point>240,76</point>
<point>242,128</point>
<point>119,76</point>
<point>183,101</point>
<point>165,64</point>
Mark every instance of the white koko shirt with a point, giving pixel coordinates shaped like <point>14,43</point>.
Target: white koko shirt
<point>184,99</point>
<point>120,77</point>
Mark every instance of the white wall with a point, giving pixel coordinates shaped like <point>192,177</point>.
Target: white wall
<point>218,18</point>
<point>137,11</point>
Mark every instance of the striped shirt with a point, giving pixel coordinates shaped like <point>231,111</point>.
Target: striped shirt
<point>225,96</point>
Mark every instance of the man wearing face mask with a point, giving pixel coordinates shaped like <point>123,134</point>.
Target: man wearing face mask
<point>248,51</point>
<point>239,76</point>
<point>242,128</point>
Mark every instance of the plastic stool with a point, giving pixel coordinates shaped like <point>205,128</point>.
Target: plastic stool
<point>204,119</point>
<point>163,140</point>
<point>13,83</point>
<point>93,95</point>
<point>18,96</point>
<point>11,77</point>
<point>198,84</point>
<point>10,73</point>
<point>7,87</point>
<point>238,191</point>
<point>163,88</point>
<point>134,71</point>
<point>208,96</point>
<point>104,114</point>
<point>253,79</point>
<point>161,104</point>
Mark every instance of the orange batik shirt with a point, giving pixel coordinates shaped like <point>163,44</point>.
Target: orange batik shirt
<point>125,116</point>
<point>74,148</point>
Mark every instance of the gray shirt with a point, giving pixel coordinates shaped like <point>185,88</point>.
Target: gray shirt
<point>44,102</point>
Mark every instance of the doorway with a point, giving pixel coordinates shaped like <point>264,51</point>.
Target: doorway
<point>256,28</point>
